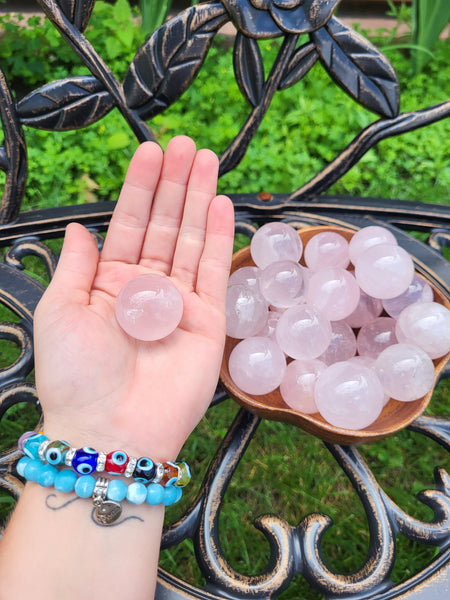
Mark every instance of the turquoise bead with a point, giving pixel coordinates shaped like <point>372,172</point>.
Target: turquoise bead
<point>20,467</point>
<point>33,469</point>
<point>171,495</point>
<point>56,452</point>
<point>117,490</point>
<point>155,494</point>
<point>65,481</point>
<point>46,477</point>
<point>31,446</point>
<point>136,493</point>
<point>84,486</point>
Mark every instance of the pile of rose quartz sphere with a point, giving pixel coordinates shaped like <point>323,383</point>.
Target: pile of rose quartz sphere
<point>340,336</point>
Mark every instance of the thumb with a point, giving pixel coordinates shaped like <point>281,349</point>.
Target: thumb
<point>76,269</point>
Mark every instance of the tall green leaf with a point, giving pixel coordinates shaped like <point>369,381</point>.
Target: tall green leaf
<point>154,13</point>
<point>430,17</point>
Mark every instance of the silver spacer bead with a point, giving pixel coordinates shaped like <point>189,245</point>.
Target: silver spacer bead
<point>159,473</point>
<point>42,448</point>
<point>69,456</point>
<point>101,462</point>
<point>132,462</point>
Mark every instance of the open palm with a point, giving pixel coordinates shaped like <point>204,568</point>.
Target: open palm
<point>97,385</point>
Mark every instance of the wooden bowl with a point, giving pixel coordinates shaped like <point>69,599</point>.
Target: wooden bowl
<point>395,415</point>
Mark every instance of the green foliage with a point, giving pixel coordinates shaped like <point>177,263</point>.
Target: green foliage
<point>154,14</point>
<point>430,17</point>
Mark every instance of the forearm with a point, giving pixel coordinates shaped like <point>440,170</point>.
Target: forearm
<point>53,549</point>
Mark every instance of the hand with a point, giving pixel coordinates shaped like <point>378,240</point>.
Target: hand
<point>100,387</point>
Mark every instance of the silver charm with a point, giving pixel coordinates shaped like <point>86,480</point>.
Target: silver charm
<point>107,512</point>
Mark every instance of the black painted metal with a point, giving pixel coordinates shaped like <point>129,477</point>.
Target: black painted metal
<point>162,69</point>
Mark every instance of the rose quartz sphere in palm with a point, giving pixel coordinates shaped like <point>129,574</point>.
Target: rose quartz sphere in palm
<point>257,365</point>
<point>326,249</point>
<point>349,395</point>
<point>149,307</point>
<point>334,291</point>
<point>427,325</point>
<point>374,337</point>
<point>405,371</point>
<point>297,387</point>
<point>303,332</point>
<point>281,283</point>
<point>246,311</point>
<point>342,345</point>
<point>274,242</point>
<point>418,291</point>
<point>366,238</point>
<point>384,271</point>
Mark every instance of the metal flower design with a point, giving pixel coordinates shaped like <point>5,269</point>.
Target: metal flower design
<point>272,18</point>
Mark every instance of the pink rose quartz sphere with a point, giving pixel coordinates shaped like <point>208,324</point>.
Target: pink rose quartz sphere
<point>334,291</point>
<point>384,271</point>
<point>248,276</point>
<point>366,238</point>
<point>326,249</point>
<point>274,242</point>
<point>342,345</point>
<point>418,291</point>
<point>303,332</point>
<point>271,324</point>
<point>257,365</point>
<point>406,372</point>
<point>149,307</point>
<point>246,311</point>
<point>349,395</point>
<point>374,337</point>
<point>427,325</point>
<point>281,283</point>
<point>367,310</point>
<point>297,387</point>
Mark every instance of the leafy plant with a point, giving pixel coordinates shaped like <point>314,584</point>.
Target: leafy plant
<point>429,18</point>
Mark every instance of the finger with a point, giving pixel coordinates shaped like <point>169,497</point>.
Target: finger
<point>128,226</point>
<point>201,190</point>
<point>215,262</point>
<point>168,205</point>
<point>77,266</point>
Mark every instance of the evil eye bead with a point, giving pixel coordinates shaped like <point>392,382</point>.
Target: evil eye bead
<point>31,445</point>
<point>171,473</point>
<point>116,462</point>
<point>145,470</point>
<point>84,461</point>
<point>55,453</point>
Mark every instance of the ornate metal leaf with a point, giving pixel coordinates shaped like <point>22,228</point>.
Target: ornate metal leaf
<point>358,67</point>
<point>168,62</point>
<point>65,104</point>
<point>303,60</point>
<point>249,68</point>
<point>77,11</point>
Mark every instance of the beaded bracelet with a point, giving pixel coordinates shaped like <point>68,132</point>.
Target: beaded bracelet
<point>87,460</point>
<point>106,494</point>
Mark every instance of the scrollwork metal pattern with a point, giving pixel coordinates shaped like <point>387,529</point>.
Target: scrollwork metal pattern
<point>162,69</point>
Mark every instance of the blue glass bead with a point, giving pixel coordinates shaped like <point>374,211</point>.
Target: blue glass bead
<point>136,493</point>
<point>47,476</point>
<point>117,490</point>
<point>84,461</point>
<point>20,467</point>
<point>65,481</point>
<point>84,486</point>
<point>145,470</point>
<point>31,445</point>
<point>171,495</point>
<point>155,494</point>
<point>56,452</point>
<point>33,469</point>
